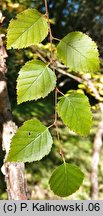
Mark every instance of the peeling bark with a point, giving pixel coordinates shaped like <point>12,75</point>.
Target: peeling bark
<point>14,172</point>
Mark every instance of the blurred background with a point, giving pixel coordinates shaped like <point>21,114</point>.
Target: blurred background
<point>66,16</point>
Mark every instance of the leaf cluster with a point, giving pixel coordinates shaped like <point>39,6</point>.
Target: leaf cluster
<point>36,80</point>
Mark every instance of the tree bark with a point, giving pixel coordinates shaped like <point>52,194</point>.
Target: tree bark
<point>14,172</point>
<point>97,144</point>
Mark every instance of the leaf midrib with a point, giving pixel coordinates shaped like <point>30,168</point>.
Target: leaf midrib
<point>27,30</point>
<point>68,44</point>
<point>69,100</point>
<point>34,81</point>
<point>29,143</point>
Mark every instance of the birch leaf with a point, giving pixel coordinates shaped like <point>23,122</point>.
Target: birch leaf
<point>66,179</point>
<point>29,28</point>
<point>36,80</point>
<point>75,112</point>
<point>79,52</point>
<point>31,142</point>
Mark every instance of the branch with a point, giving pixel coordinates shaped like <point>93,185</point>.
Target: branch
<point>50,32</point>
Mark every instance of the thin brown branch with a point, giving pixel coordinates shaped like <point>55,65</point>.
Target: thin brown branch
<point>50,32</point>
<point>62,71</point>
<point>55,106</point>
<point>55,93</point>
<point>56,126</point>
<point>92,87</point>
<point>60,92</point>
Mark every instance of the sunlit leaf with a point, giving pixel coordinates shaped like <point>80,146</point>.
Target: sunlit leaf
<point>31,142</point>
<point>66,179</point>
<point>74,110</point>
<point>35,80</point>
<point>29,28</point>
<point>79,52</point>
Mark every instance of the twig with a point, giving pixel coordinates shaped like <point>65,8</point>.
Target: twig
<point>50,32</point>
<point>56,126</point>
<point>59,91</point>
<point>56,90</point>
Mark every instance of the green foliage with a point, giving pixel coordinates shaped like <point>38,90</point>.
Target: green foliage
<point>77,151</point>
<point>66,179</point>
<point>31,142</point>
<point>74,110</point>
<point>79,52</point>
<point>35,80</point>
<point>28,29</point>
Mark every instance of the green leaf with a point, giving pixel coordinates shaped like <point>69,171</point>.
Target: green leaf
<point>79,52</point>
<point>66,179</point>
<point>74,110</point>
<point>28,29</point>
<point>35,80</point>
<point>31,142</point>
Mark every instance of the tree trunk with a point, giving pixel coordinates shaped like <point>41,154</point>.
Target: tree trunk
<point>14,172</point>
<point>97,144</point>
